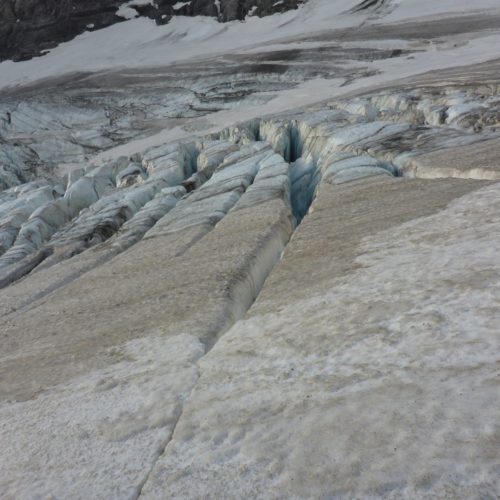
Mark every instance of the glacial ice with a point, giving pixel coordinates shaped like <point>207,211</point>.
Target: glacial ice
<point>281,286</point>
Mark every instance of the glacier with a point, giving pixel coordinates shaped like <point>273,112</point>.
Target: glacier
<point>254,259</point>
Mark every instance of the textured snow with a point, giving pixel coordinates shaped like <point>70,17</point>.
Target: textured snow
<point>382,385</point>
<point>264,301</point>
<point>116,419</point>
<point>139,42</point>
<point>411,9</point>
<point>179,5</point>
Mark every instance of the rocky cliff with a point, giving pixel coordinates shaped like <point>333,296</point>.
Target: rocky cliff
<point>29,27</point>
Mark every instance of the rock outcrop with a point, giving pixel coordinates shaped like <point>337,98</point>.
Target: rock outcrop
<point>30,27</point>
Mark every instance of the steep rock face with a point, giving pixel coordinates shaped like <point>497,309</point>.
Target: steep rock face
<point>29,27</point>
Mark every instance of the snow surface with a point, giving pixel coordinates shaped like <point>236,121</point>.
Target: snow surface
<point>412,9</point>
<point>373,379</point>
<point>477,50</point>
<point>179,5</point>
<point>141,43</point>
<point>381,385</point>
<point>130,409</point>
<point>127,11</point>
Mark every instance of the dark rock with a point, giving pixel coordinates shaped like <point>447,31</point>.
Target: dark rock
<point>29,27</point>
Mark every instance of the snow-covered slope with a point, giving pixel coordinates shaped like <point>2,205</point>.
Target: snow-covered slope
<point>255,259</point>
<point>28,28</point>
